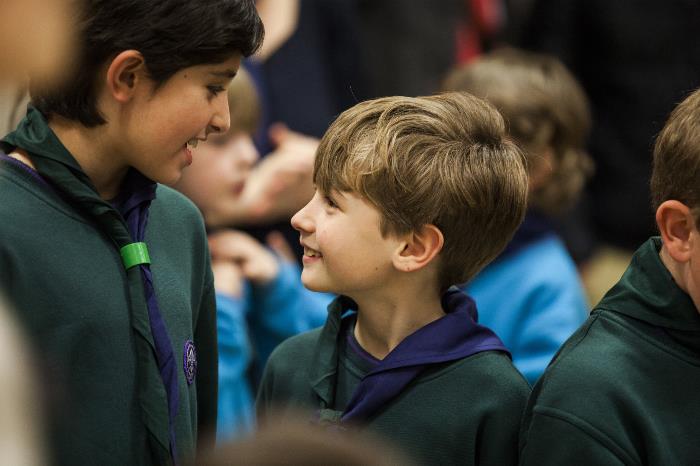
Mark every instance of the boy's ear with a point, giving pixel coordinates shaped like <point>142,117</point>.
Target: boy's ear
<point>677,224</point>
<point>124,73</point>
<point>419,248</point>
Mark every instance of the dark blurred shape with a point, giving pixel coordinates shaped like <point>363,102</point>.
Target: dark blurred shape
<point>635,60</point>
<point>311,77</point>
<point>408,45</point>
<point>301,444</point>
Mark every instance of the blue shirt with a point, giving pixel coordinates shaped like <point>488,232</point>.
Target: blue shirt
<point>533,300</point>
<point>249,328</point>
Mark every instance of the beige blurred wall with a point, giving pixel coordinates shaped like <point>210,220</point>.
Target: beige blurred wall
<point>8,101</point>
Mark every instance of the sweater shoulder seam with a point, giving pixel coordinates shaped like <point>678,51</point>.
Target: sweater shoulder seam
<point>588,430</point>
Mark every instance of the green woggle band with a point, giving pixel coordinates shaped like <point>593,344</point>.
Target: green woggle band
<point>134,254</point>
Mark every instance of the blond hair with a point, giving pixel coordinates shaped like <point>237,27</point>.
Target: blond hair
<point>243,103</point>
<point>443,160</point>
<point>677,157</point>
<point>546,110</point>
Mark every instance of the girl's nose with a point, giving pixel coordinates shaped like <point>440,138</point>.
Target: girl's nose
<point>221,119</point>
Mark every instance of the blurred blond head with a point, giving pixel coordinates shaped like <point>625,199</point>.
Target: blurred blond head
<point>547,113</point>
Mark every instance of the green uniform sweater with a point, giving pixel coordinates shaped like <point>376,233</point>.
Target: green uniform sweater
<point>460,412</point>
<point>68,287</point>
<point>625,388</point>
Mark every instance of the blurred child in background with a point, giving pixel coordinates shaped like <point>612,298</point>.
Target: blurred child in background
<point>531,296</point>
<point>259,296</point>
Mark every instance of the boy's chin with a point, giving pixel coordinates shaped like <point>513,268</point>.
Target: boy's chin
<point>311,285</point>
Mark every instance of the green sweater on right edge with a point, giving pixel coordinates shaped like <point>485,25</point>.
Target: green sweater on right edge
<point>625,388</point>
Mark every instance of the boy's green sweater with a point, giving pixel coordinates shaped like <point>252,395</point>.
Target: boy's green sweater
<point>461,412</point>
<point>625,388</point>
<point>67,284</point>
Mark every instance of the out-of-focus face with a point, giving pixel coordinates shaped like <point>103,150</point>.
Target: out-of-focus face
<point>217,176</point>
<point>36,38</point>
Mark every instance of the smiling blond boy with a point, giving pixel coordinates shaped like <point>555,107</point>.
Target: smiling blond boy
<point>413,195</point>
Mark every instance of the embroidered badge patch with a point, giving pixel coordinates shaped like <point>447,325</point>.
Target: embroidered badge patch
<point>189,361</point>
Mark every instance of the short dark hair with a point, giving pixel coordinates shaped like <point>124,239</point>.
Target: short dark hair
<point>677,157</point>
<point>170,34</point>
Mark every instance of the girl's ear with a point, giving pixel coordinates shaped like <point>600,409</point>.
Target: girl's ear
<point>124,73</point>
<point>419,248</point>
<point>676,223</point>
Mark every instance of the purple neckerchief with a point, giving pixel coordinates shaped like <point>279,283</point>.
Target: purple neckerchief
<point>133,203</point>
<point>33,173</point>
<point>454,336</point>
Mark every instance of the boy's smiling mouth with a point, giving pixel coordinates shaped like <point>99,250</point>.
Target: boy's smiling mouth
<point>310,255</point>
<point>308,252</point>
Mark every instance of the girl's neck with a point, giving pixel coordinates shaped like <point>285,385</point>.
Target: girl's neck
<point>23,157</point>
<point>90,148</point>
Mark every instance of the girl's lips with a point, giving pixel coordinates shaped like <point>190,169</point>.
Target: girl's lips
<point>188,155</point>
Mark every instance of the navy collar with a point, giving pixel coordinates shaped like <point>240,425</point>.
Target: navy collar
<point>535,226</point>
<point>454,336</point>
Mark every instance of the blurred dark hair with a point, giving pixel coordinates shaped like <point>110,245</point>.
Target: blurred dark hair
<point>170,34</point>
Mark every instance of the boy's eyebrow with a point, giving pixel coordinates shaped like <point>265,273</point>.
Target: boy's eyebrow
<point>230,74</point>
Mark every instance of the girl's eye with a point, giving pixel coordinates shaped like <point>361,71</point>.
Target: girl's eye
<point>215,90</point>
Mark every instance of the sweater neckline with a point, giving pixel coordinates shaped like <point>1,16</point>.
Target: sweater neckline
<point>647,292</point>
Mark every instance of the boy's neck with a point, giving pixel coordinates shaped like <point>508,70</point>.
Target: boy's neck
<point>90,149</point>
<point>384,322</point>
<point>673,267</point>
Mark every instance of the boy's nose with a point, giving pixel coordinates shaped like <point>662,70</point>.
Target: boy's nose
<point>302,221</point>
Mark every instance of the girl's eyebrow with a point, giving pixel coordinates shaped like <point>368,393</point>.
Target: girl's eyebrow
<point>230,74</point>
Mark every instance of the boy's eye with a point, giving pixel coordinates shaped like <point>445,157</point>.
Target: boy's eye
<point>215,90</point>
<point>330,202</point>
